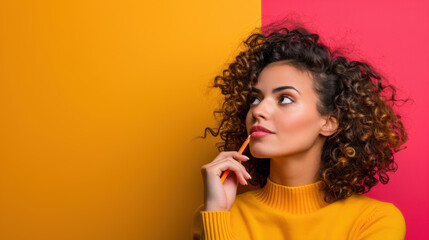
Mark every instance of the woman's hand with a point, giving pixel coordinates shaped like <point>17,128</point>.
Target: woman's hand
<point>218,196</point>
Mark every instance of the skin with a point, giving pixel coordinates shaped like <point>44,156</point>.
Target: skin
<point>300,131</point>
<point>294,149</point>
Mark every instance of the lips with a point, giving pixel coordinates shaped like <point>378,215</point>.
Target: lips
<point>259,128</point>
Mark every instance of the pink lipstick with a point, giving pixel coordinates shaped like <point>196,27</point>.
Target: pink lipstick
<point>260,134</point>
<point>259,131</point>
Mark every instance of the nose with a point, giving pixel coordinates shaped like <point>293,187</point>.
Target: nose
<point>262,110</point>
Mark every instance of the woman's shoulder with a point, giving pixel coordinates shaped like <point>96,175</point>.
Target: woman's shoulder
<point>368,202</point>
<point>379,218</point>
<point>374,208</point>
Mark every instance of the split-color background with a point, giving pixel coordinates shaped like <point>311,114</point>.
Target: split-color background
<point>99,102</point>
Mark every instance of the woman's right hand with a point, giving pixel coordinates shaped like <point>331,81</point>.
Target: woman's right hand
<point>218,196</point>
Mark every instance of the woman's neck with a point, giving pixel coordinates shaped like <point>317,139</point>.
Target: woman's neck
<point>298,169</point>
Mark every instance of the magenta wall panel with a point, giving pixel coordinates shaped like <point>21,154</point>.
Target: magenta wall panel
<point>393,36</point>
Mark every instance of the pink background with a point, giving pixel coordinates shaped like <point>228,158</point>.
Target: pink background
<point>393,36</point>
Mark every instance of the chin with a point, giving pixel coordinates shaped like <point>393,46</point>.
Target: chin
<point>260,153</point>
<point>270,150</point>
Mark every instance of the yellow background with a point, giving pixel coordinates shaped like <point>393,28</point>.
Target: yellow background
<point>99,103</point>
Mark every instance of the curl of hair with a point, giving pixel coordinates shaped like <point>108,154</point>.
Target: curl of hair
<point>369,131</point>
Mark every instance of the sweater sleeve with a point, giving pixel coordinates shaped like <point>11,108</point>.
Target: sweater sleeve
<point>216,225</point>
<point>211,225</point>
<point>385,222</point>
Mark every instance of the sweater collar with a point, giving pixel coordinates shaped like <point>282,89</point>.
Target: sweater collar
<point>297,200</point>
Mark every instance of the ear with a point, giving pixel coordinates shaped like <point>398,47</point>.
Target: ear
<point>330,125</point>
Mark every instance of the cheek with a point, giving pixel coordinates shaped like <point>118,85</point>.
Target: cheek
<point>294,122</point>
<point>298,124</point>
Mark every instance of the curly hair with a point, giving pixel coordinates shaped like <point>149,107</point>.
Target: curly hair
<point>369,130</point>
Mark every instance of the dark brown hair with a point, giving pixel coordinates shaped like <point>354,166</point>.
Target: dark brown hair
<point>369,131</point>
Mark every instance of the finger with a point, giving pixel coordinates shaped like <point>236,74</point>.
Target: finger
<point>223,155</point>
<point>235,154</point>
<point>234,161</point>
<point>239,156</point>
<point>232,166</point>
<point>243,169</point>
<point>244,172</point>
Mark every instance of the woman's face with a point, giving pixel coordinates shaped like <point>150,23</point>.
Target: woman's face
<point>284,102</point>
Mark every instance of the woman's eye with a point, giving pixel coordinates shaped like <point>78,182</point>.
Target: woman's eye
<point>252,100</point>
<point>285,100</point>
<point>288,100</point>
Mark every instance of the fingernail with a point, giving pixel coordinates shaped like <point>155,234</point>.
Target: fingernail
<point>246,157</point>
<point>250,177</point>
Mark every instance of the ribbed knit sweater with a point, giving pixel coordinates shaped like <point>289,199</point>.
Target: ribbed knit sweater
<point>282,212</point>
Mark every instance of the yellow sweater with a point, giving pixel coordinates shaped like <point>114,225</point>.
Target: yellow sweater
<point>282,212</point>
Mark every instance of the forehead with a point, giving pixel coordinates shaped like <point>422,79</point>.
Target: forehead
<point>278,73</point>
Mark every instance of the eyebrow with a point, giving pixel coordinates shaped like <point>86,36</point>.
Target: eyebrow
<point>275,89</point>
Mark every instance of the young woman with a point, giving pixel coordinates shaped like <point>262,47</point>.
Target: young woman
<point>321,128</point>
